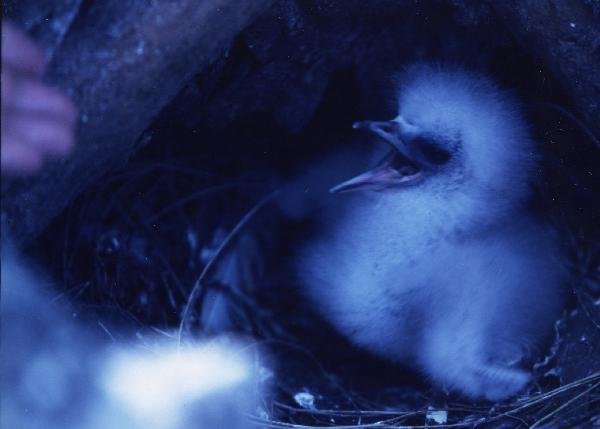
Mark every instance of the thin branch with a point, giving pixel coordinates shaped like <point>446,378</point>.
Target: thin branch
<point>207,268</point>
<point>563,406</point>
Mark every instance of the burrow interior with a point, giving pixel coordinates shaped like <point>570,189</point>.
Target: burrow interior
<point>128,251</point>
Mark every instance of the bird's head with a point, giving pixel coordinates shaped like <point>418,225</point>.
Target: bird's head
<point>456,130</point>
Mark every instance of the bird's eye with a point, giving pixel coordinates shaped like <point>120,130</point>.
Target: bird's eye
<point>431,151</point>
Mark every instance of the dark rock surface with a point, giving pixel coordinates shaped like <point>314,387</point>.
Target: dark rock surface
<point>124,63</point>
<point>565,35</point>
<point>121,62</point>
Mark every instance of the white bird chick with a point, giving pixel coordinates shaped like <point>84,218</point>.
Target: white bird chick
<point>433,260</point>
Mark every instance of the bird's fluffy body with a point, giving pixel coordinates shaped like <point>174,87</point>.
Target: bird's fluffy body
<point>449,274</point>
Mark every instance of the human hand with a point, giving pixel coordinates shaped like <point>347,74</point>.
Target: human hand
<point>37,121</point>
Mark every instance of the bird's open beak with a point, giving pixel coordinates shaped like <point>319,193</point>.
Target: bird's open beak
<point>394,170</point>
<point>385,175</point>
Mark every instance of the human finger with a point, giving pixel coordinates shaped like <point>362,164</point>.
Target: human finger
<point>29,95</point>
<point>19,51</point>
<point>17,157</point>
<point>44,133</point>
<point>7,82</point>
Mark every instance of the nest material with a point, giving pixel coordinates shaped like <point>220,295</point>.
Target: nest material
<point>152,246</point>
<point>184,234</point>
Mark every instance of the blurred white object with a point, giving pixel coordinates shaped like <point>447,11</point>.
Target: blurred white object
<point>159,389</point>
<point>57,374</point>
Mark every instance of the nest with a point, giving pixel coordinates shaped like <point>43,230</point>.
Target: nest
<point>152,247</point>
